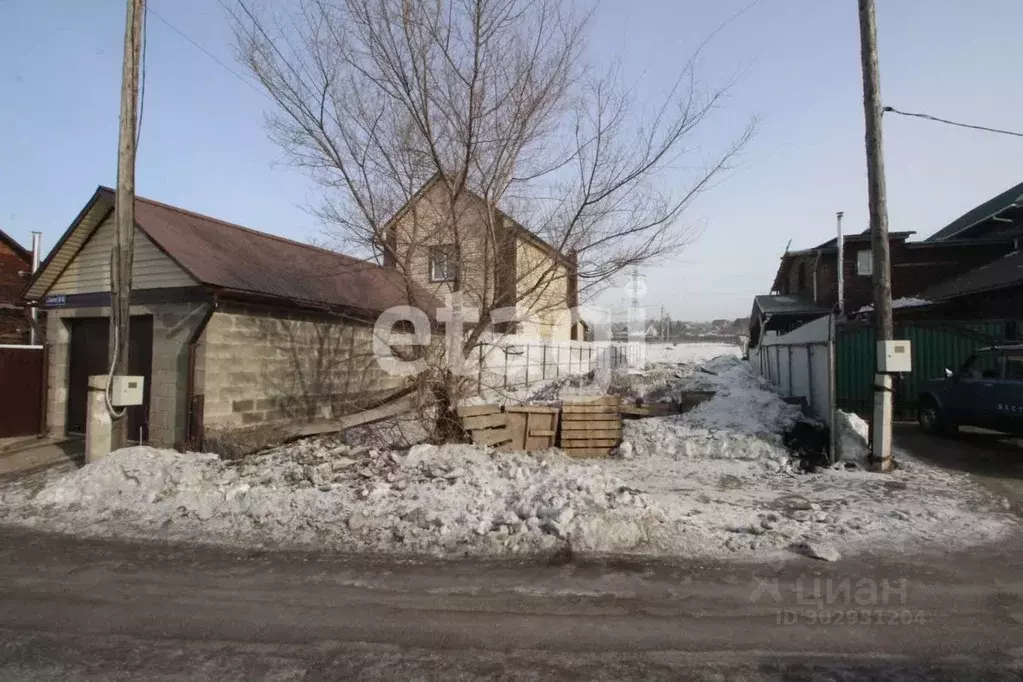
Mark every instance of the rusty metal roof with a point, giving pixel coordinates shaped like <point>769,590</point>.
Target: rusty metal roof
<point>240,260</point>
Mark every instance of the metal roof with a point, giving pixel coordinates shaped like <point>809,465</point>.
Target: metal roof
<point>787,305</point>
<point>975,216</point>
<point>238,259</point>
<point>1004,272</point>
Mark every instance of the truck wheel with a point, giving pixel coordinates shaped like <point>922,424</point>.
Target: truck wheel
<point>932,421</point>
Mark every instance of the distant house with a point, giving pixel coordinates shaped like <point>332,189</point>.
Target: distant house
<point>15,269</point>
<point>967,269</point>
<point>511,265</point>
<point>230,327</point>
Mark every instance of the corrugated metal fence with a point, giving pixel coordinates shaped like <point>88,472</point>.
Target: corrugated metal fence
<point>936,345</point>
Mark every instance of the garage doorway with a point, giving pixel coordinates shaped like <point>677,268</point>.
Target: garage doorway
<point>88,356</point>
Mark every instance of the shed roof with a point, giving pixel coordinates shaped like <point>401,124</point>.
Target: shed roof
<point>19,250</point>
<point>787,305</point>
<point>1005,272</point>
<point>989,209</point>
<point>237,259</point>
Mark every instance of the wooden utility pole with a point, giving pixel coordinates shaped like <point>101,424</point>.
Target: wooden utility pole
<point>882,422</point>
<point>122,254</point>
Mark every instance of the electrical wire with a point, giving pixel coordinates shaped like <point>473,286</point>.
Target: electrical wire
<point>209,54</point>
<point>928,117</point>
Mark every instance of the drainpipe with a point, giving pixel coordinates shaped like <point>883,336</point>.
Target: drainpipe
<point>34,311</point>
<point>193,429</point>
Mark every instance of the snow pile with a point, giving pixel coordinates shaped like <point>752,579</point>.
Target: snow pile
<point>716,481</point>
<point>455,499</point>
<point>745,418</point>
<point>853,438</point>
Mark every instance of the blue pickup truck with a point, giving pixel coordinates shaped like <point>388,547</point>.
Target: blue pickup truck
<point>986,392</point>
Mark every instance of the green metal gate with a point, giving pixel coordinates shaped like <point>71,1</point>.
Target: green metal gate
<point>936,345</point>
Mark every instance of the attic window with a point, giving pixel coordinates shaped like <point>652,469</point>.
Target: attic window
<point>864,262</point>
<point>442,263</point>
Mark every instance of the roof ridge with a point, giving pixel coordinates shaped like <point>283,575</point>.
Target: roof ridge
<point>236,226</point>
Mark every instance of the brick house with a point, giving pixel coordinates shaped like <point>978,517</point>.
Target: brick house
<point>504,266</point>
<point>967,269</point>
<point>15,269</point>
<point>231,327</point>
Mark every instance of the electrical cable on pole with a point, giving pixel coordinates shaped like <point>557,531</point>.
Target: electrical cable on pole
<point>122,252</point>
<point>881,424</point>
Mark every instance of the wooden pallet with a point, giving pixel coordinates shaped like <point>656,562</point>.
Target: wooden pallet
<point>486,425</point>
<point>591,427</point>
<point>533,427</point>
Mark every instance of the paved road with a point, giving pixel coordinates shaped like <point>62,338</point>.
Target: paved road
<point>73,609</point>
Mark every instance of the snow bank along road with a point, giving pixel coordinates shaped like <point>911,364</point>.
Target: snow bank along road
<point>715,482</point>
<point>95,610</point>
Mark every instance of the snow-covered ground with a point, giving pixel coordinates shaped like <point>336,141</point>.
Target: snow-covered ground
<point>688,352</point>
<point>715,482</point>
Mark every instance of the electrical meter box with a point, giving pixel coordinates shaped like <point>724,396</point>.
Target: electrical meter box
<point>894,356</point>
<point>126,390</point>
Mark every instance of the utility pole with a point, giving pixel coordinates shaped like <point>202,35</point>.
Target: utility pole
<point>881,425</point>
<point>122,254</point>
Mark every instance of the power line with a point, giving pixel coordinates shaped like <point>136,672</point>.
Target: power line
<point>928,117</point>
<point>209,54</point>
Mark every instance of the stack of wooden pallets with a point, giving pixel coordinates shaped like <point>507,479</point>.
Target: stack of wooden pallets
<point>486,425</point>
<point>591,427</point>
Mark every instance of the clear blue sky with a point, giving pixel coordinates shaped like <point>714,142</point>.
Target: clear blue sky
<point>204,147</point>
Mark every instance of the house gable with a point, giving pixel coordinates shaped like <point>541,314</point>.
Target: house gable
<point>88,271</point>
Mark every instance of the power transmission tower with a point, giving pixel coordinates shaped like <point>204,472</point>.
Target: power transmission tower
<point>881,425</point>
<point>122,254</point>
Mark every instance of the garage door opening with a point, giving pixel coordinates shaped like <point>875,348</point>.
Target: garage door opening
<point>88,356</point>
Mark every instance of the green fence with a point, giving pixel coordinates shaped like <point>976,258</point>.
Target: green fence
<point>936,345</point>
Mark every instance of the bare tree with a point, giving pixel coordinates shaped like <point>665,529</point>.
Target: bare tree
<point>489,108</point>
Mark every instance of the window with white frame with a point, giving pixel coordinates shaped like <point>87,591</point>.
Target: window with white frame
<point>443,263</point>
<point>864,262</point>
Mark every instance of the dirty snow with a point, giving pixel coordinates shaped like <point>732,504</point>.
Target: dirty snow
<point>715,482</point>
<point>853,438</point>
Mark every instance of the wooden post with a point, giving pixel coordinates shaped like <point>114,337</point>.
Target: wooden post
<point>881,453</point>
<point>124,210</point>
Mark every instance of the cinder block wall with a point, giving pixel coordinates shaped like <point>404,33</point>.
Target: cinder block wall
<point>267,366</point>
<point>173,324</point>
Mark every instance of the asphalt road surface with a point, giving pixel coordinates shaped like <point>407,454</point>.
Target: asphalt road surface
<point>92,610</point>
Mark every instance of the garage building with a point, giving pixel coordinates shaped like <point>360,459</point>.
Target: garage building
<point>231,327</point>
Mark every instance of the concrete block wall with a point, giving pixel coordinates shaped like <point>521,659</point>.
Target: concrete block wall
<point>264,366</point>
<point>173,325</point>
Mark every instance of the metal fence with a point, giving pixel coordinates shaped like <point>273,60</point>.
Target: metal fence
<point>936,345</point>
<point>510,362</point>
<point>799,365</point>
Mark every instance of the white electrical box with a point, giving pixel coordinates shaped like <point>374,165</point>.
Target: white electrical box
<point>894,356</point>
<point>126,390</point>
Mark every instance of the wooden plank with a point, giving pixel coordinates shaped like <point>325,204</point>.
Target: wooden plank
<point>491,436</point>
<point>517,430</point>
<point>541,432</point>
<point>589,453</point>
<point>569,436</point>
<point>484,421</point>
<point>589,442</point>
<point>586,400</point>
<point>385,411</point>
<point>476,410</point>
<point>595,409</point>
<point>539,409</point>
<point>590,424</point>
